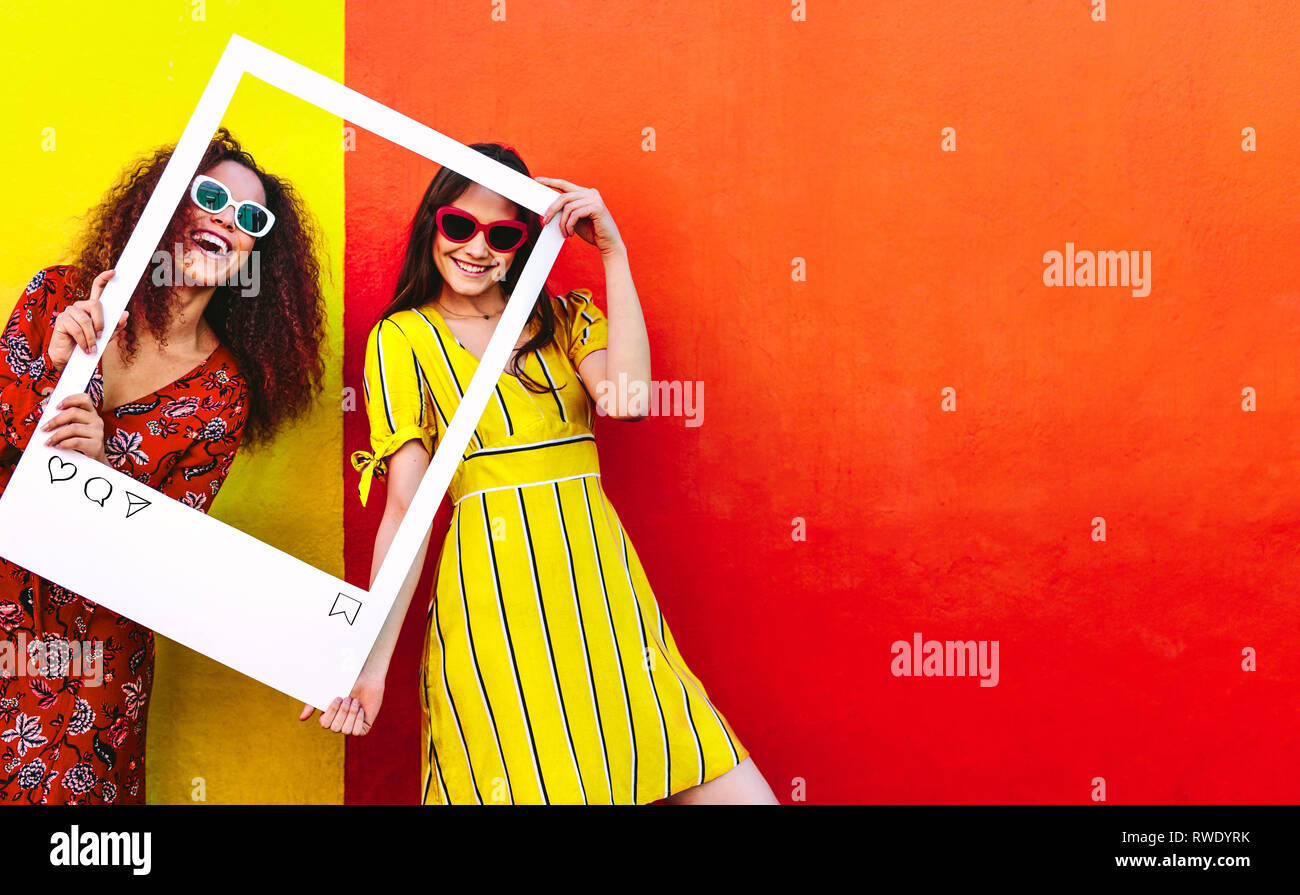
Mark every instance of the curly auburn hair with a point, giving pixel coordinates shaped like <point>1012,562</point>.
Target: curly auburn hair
<point>278,335</point>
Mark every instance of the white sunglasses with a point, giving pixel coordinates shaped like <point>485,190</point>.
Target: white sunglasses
<point>212,195</point>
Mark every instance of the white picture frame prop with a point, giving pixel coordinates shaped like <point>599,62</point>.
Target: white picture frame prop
<point>193,578</point>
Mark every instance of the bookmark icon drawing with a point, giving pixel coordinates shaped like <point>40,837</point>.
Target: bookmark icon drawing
<point>346,606</point>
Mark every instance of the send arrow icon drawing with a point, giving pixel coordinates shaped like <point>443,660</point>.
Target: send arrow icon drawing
<point>135,503</point>
<point>346,606</point>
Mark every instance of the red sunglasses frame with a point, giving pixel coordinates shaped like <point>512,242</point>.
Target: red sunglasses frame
<point>511,224</point>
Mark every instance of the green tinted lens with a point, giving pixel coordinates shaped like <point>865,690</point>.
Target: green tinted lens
<point>211,196</point>
<point>252,219</point>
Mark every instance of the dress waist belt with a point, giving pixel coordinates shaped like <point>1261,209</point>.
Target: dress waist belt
<point>512,465</point>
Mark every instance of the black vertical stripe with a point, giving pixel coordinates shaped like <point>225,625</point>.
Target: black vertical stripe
<point>510,649</point>
<point>435,612</point>
<point>546,633</point>
<point>654,688</point>
<point>555,392</point>
<point>586,646</point>
<point>505,414</point>
<point>618,651</point>
<point>686,700</point>
<point>447,362</point>
<point>473,655</point>
<point>383,374</point>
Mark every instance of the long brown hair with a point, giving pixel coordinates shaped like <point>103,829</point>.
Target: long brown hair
<point>277,335</point>
<point>420,282</point>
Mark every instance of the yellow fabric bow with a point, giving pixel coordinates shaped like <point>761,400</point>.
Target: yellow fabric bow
<point>372,464</point>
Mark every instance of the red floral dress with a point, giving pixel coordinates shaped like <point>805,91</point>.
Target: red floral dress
<point>66,738</point>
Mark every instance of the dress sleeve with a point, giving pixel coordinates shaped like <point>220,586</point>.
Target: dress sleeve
<point>27,374</point>
<point>202,469</point>
<point>588,329</point>
<point>395,405</point>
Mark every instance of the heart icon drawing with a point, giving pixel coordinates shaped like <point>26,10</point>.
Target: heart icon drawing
<point>61,471</point>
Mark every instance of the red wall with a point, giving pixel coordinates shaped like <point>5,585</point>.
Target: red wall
<point>821,140</point>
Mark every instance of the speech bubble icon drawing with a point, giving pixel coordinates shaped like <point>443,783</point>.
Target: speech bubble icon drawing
<point>107,490</point>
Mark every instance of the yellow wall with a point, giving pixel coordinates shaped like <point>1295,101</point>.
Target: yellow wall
<point>113,81</point>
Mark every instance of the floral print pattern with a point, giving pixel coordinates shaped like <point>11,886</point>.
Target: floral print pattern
<point>63,739</point>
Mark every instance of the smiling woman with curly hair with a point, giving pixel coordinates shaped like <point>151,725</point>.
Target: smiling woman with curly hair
<point>195,368</point>
<point>275,335</point>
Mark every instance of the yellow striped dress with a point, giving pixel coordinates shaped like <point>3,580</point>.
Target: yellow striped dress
<point>549,674</point>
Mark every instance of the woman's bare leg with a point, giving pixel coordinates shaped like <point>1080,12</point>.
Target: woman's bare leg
<point>742,785</point>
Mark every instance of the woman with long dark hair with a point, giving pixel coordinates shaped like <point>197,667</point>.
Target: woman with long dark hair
<point>549,674</point>
<point>220,346</point>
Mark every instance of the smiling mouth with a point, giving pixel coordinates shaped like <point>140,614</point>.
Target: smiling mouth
<point>210,243</point>
<point>472,270</point>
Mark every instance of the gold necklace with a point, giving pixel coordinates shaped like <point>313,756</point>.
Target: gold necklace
<point>454,314</point>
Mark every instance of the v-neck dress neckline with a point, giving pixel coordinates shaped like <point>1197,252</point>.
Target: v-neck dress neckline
<point>194,371</point>
<point>474,359</point>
